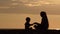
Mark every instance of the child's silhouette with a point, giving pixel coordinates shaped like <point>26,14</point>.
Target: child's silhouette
<point>27,24</point>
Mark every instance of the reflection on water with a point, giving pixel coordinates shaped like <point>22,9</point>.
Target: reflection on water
<point>18,20</point>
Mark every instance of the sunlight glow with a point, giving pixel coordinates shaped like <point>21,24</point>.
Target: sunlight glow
<point>38,3</point>
<point>31,5</point>
<point>57,29</point>
<point>14,0</point>
<point>34,3</point>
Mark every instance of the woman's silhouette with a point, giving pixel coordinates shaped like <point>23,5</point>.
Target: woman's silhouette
<point>44,22</point>
<point>37,26</point>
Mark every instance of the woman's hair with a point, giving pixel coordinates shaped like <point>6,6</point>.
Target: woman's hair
<point>43,14</point>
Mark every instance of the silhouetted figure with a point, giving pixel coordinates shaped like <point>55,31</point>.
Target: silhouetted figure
<point>27,24</point>
<point>37,26</point>
<point>44,22</point>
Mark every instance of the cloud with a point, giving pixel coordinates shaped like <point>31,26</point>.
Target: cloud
<point>32,5</point>
<point>14,4</point>
<point>13,0</point>
<point>34,2</point>
<point>28,6</point>
<point>4,7</point>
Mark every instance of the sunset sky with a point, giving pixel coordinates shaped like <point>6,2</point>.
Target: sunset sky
<point>14,12</point>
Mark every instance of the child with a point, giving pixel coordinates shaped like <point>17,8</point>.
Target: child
<point>27,24</point>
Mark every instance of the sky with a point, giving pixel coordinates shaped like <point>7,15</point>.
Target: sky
<point>30,6</point>
<point>14,12</point>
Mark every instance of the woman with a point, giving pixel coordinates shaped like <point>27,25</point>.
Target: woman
<point>44,22</point>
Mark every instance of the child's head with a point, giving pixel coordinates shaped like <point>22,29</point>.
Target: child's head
<point>28,19</point>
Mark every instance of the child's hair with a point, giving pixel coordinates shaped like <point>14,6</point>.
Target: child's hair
<point>27,19</point>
